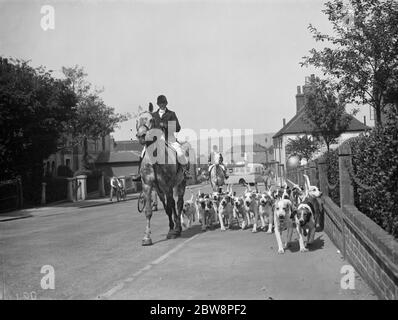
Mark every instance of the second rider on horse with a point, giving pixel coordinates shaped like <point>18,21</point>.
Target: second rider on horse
<point>216,157</point>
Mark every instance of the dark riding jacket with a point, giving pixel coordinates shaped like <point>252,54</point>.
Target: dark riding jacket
<point>163,122</point>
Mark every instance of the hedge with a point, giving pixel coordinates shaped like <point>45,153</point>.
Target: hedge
<point>56,189</point>
<point>375,173</point>
<point>375,165</point>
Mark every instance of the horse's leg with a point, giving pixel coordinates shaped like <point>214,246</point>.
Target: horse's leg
<point>168,210</point>
<point>147,190</point>
<point>180,204</point>
<point>162,198</point>
<point>171,212</point>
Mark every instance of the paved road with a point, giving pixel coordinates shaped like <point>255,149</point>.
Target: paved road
<point>96,253</point>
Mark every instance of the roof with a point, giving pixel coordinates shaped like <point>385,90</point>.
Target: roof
<point>118,157</point>
<point>256,147</point>
<point>127,145</point>
<point>298,125</point>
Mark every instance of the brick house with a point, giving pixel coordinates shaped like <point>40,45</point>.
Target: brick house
<point>298,127</point>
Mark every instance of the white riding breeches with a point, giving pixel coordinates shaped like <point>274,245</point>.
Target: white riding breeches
<point>181,157</point>
<point>221,165</point>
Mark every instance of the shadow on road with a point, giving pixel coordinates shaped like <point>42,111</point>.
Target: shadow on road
<point>191,231</point>
<point>316,245</point>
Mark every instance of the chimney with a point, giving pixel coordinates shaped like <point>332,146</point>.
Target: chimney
<point>299,99</point>
<point>284,122</point>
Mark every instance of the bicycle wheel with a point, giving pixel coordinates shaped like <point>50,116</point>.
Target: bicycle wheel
<point>141,202</point>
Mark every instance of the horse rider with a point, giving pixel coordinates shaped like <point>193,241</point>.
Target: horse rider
<point>215,156</point>
<point>115,185</point>
<point>167,121</point>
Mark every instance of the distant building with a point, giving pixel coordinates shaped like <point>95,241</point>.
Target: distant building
<point>122,158</point>
<point>298,127</point>
<point>256,153</point>
<point>71,155</point>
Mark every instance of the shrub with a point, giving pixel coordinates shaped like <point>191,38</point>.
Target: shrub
<point>375,176</point>
<point>56,189</point>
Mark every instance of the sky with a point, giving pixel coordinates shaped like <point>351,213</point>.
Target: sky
<point>221,64</point>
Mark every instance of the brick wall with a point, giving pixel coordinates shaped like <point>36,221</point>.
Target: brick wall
<point>369,249</point>
<point>333,222</point>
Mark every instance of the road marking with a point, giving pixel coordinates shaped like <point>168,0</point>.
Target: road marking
<point>149,266</point>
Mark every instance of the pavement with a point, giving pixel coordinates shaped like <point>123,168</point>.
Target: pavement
<point>95,251</point>
<point>61,207</point>
<point>235,265</point>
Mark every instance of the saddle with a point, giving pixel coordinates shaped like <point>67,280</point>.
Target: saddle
<point>170,147</point>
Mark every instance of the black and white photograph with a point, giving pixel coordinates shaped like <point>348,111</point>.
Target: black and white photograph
<point>199,156</point>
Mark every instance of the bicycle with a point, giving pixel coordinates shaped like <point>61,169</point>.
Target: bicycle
<point>141,202</point>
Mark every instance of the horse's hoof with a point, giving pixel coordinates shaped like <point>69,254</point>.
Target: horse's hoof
<point>173,234</point>
<point>147,242</point>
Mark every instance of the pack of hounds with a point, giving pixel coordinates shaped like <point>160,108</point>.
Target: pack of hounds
<point>273,210</point>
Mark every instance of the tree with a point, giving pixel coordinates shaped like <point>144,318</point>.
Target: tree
<point>302,147</point>
<point>325,112</point>
<point>363,54</point>
<point>94,118</point>
<point>35,109</point>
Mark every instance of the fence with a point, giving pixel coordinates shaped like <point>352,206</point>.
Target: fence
<point>11,196</point>
<point>369,248</point>
<point>296,175</point>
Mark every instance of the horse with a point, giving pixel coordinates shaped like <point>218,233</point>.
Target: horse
<point>216,175</point>
<point>166,177</point>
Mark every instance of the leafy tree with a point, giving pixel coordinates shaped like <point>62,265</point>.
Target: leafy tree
<point>362,55</point>
<point>302,147</point>
<point>325,111</point>
<point>34,111</point>
<point>94,118</point>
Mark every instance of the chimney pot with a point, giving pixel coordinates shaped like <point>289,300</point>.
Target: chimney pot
<point>298,89</point>
<point>284,122</point>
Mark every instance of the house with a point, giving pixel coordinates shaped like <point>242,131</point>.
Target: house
<point>120,159</point>
<point>298,127</point>
<point>255,153</point>
<point>104,153</point>
<point>71,155</point>
<point>118,163</point>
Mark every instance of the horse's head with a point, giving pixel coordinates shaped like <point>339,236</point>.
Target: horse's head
<point>217,158</point>
<point>144,123</point>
